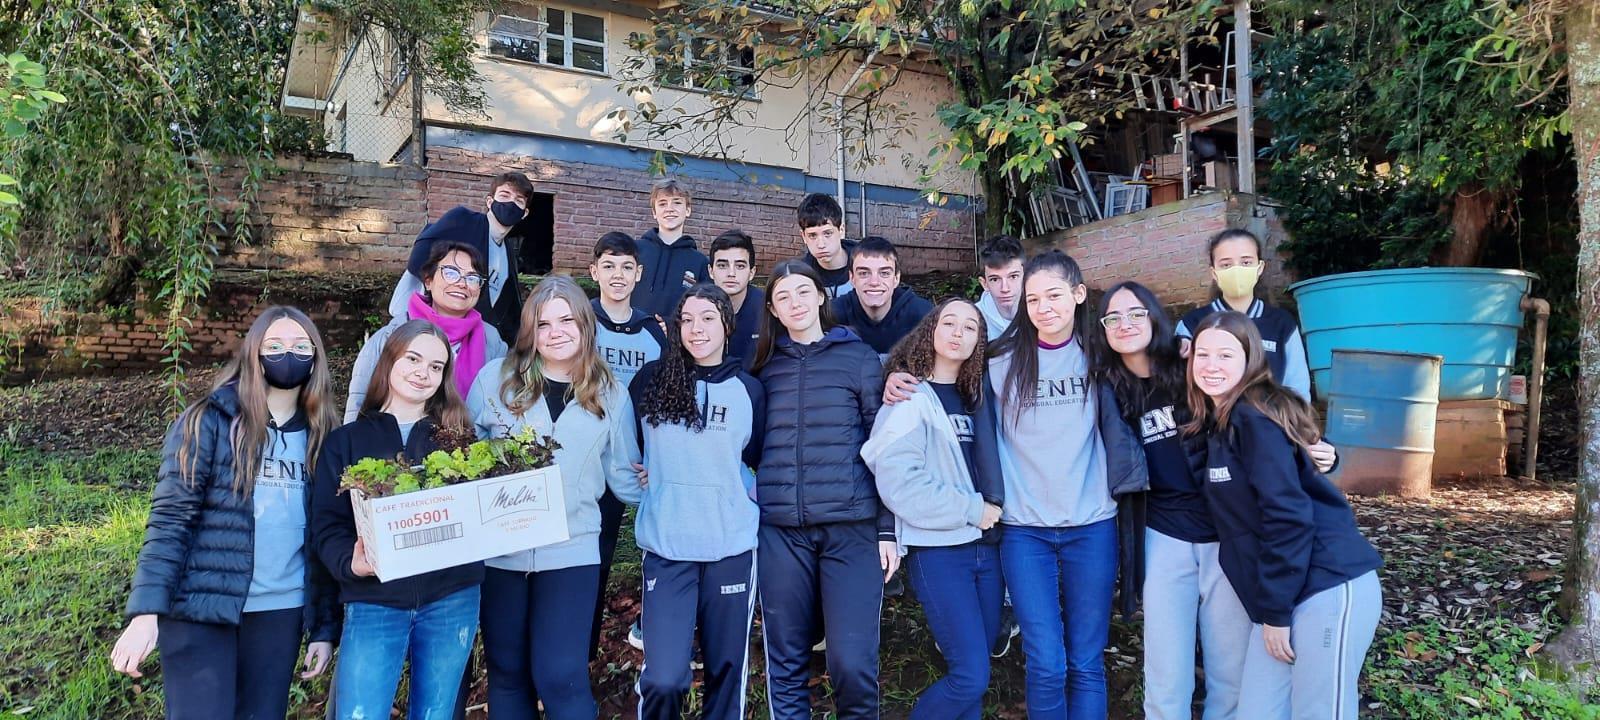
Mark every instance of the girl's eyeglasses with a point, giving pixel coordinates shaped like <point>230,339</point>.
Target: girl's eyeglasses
<point>273,351</point>
<point>1132,317</point>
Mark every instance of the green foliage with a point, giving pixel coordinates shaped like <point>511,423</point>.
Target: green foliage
<point>23,99</point>
<point>1029,75</point>
<point>453,463</point>
<point>1383,117</point>
<point>117,193</point>
<point>436,38</point>
<point>1433,672</point>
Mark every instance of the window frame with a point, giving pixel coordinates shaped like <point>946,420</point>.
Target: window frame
<point>685,69</point>
<point>563,34</point>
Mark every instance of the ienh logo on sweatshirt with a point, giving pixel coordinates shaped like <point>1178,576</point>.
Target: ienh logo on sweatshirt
<point>1062,391</point>
<point>1218,474</point>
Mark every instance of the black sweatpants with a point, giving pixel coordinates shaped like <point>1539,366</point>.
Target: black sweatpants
<point>222,671</point>
<point>610,525</point>
<point>533,639</point>
<point>718,596</point>
<point>834,567</point>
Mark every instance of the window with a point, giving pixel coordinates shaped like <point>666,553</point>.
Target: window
<point>396,69</point>
<point>716,66</point>
<point>565,38</point>
<point>515,37</point>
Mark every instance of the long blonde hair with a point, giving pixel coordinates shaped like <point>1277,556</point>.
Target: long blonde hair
<point>248,432</point>
<point>522,373</point>
<point>1256,387</point>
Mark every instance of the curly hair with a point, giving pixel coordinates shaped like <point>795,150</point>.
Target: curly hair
<point>671,396</point>
<point>914,354</point>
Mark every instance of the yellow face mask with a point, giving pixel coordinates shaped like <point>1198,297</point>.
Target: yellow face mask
<point>1238,281</point>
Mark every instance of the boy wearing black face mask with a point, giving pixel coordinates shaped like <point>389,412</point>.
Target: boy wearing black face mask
<point>500,304</point>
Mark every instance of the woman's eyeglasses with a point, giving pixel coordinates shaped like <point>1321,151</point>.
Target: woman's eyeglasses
<point>1132,317</point>
<point>453,274</point>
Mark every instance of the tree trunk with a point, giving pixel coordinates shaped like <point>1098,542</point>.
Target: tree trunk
<point>1474,212</point>
<point>1578,646</point>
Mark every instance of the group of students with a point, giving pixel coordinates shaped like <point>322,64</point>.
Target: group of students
<point>786,449</point>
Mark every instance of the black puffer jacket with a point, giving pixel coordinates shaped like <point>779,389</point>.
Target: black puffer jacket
<point>822,399</point>
<point>199,545</point>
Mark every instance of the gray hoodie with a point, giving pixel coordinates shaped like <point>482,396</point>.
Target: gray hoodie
<point>993,322</point>
<point>922,474</point>
<point>595,453</point>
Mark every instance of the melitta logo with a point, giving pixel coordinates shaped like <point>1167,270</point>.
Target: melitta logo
<point>522,494</point>
<point>1218,474</point>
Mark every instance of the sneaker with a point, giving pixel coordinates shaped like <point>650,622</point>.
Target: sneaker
<point>1008,630</point>
<point>636,637</point>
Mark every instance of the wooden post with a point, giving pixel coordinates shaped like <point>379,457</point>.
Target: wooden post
<point>1244,96</point>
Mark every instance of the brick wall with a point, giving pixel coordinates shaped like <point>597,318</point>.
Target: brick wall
<point>321,214</point>
<point>70,343</point>
<point>591,200</point>
<point>1164,247</point>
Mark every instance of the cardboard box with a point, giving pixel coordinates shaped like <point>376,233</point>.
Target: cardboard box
<point>427,530</point>
<point>1167,166</point>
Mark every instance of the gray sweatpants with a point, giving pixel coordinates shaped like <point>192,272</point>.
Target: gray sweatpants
<point>1185,595</point>
<point>1330,636</point>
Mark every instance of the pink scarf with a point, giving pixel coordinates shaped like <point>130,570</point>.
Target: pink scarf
<point>467,332</point>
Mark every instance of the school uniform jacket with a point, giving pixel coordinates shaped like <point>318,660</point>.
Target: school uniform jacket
<point>199,544</point>
<point>626,346</point>
<point>1280,338</point>
<point>822,399</point>
<point>698,506</point>
<point>906,309</point>
<point>1286,532</point>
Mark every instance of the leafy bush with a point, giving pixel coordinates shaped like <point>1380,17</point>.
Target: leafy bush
<point>456,461</point>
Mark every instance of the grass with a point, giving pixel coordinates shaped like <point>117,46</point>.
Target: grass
<point>71,524</point>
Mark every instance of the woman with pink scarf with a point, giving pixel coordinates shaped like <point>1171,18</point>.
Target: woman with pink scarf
<point>453,276</point>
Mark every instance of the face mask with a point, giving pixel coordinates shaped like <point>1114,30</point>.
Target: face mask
<point>506,213</point>
<point>1238,281</point>
<point>286,370</point>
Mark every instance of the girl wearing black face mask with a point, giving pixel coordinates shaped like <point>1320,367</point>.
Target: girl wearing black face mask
<point>224,583</point>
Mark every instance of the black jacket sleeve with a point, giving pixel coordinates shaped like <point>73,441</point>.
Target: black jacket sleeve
<point>333,523</point>
<point>174,515</point>
<point>1287,524</point>
<point>636,389</point>
<point>869,398</point>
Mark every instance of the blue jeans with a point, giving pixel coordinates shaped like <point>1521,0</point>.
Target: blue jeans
<point>1061,580</point>
<point>960,591</point>
<point>378,640</point>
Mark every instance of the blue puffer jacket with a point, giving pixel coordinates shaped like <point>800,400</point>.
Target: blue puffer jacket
<point>199,545</point>
<point>822,399</point>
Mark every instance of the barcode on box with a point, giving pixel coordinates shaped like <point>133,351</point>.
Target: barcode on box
<point>427,536</point>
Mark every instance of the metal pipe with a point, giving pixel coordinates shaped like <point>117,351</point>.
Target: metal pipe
<point>1530,443</point>
<point>838,114</point>
<point>1244,97</point>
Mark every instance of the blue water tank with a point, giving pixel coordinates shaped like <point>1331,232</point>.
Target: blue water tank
<point>1469,316</point>
<point>1382,409</point>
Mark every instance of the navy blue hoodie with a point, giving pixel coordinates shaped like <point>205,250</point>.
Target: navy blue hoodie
<point>668,271</point>
<point>906,309</point>
<point>1286,532</point>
